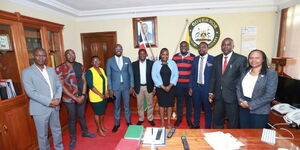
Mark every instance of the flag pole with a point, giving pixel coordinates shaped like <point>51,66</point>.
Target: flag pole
<point>186,23</point>
<point>147,42</point>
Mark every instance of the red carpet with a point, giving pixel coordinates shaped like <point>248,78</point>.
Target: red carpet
<point>110,141</point>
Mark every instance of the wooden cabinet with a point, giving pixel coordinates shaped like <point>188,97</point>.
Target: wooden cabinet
<point>19,36</point>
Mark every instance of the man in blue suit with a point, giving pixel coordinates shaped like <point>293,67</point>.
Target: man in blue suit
<point>199,85</point>
<point>120,83</point>
<point>44,89</point>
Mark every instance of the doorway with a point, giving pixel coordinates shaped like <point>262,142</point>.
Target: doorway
<point>99,44</point>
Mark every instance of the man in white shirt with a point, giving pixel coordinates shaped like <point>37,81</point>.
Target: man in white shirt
<point>44,90</point>
<point>199,84</point>
<point>143,86</point>
<point>120,83</point>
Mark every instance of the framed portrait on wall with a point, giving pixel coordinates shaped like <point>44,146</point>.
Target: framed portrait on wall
<point>5,42</point>
<point>145,29</point>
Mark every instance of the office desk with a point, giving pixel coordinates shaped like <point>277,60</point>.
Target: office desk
<point>250,137</point>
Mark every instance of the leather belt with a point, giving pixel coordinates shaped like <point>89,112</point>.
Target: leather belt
<point>143,84</point>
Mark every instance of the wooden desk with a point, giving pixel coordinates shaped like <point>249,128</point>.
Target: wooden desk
<point>250,137</point>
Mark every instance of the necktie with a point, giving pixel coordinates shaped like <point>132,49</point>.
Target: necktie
<point>225,64</point>
<point>200,70</point>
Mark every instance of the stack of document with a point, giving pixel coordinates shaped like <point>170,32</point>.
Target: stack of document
<point>222,141</point>
<point>134,132</point>
<point>150,137</point>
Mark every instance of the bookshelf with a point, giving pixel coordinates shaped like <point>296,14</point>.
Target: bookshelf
<point>19,36</point>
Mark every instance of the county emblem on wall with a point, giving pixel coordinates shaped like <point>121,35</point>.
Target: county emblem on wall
<point>204,29</point>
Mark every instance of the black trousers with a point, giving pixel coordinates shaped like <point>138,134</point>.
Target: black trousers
<point>226,110</point>
<point>73,109</point>
<point>182,95</point>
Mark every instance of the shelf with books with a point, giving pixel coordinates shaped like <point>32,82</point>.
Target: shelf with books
<point>20,36</point>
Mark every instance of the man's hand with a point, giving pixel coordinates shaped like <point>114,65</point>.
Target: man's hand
<point>211,97</point>
<point>80,99</point>
<point>111,93</point>
<point>131,91</point>
<point>55,102</point>
<point>154,91</point>
<point>190,91</point>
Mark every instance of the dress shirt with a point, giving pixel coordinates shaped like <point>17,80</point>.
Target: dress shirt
<point>119,61</point>
<point>228,58</point>
<point>46,76</point>
<point>248,84</point>
<point>204,65</point>
<point>143,67</point>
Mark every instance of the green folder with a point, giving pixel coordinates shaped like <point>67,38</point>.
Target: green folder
<point>134,132</point>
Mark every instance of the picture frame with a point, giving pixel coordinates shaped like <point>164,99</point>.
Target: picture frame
<point>150,27</point>
<point>5,42</point>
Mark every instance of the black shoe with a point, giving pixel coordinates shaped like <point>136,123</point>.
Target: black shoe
<point>87,134</point>
<point>129,123</point>
<point>177,123</point>
<point>196,127</point>
<point>139,122</point>
<point>72,144</point>
<point>190,124</point>
<point>115,129</point>
<point>152,123</point>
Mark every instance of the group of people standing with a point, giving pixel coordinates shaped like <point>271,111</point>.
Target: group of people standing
<point>240,89</point>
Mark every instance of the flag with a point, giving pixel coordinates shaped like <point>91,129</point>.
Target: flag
<point>142,39</point>
<point>145,106</point>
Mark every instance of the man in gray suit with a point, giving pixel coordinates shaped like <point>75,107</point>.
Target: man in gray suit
<point>120,83</point>
<point>226,73</point>
<point>44,90</point>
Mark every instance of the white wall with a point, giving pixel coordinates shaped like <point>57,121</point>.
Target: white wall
<point>169,29</point>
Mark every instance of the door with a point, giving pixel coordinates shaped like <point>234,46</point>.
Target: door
<point>99,44</point>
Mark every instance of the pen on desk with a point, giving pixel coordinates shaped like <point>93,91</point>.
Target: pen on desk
<point>151,131</point>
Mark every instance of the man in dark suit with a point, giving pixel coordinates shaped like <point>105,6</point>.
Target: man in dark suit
<point>143,86</point>
<point>44,89</point>
<point>227,70</point>
<point>120,83</point>
<point>200,79</point>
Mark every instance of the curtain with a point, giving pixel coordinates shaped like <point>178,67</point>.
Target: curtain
<point>292,45</point>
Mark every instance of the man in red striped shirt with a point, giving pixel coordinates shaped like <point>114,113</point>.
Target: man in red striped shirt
<point>184,60</point>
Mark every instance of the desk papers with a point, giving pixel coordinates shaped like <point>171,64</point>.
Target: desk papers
<point>222,141</point>
<point>150,137</point>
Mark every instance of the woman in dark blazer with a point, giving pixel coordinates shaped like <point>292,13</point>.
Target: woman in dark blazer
<point>255,90</point>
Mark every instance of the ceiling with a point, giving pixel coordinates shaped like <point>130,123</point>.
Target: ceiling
<point>92,9</point>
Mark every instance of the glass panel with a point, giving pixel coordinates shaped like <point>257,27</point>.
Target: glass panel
<point>54,45</point>
<point>10,83</point>
<point>33,41</point>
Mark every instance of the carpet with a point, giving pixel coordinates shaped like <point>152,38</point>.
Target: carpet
<point>110,141</point>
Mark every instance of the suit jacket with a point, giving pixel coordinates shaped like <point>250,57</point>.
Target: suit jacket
<point>207,72</point>
<point>263,92</point>
<point>136,76</point>
<point>113,73</point>
<point>224,85</point>
<point>38,90</point>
